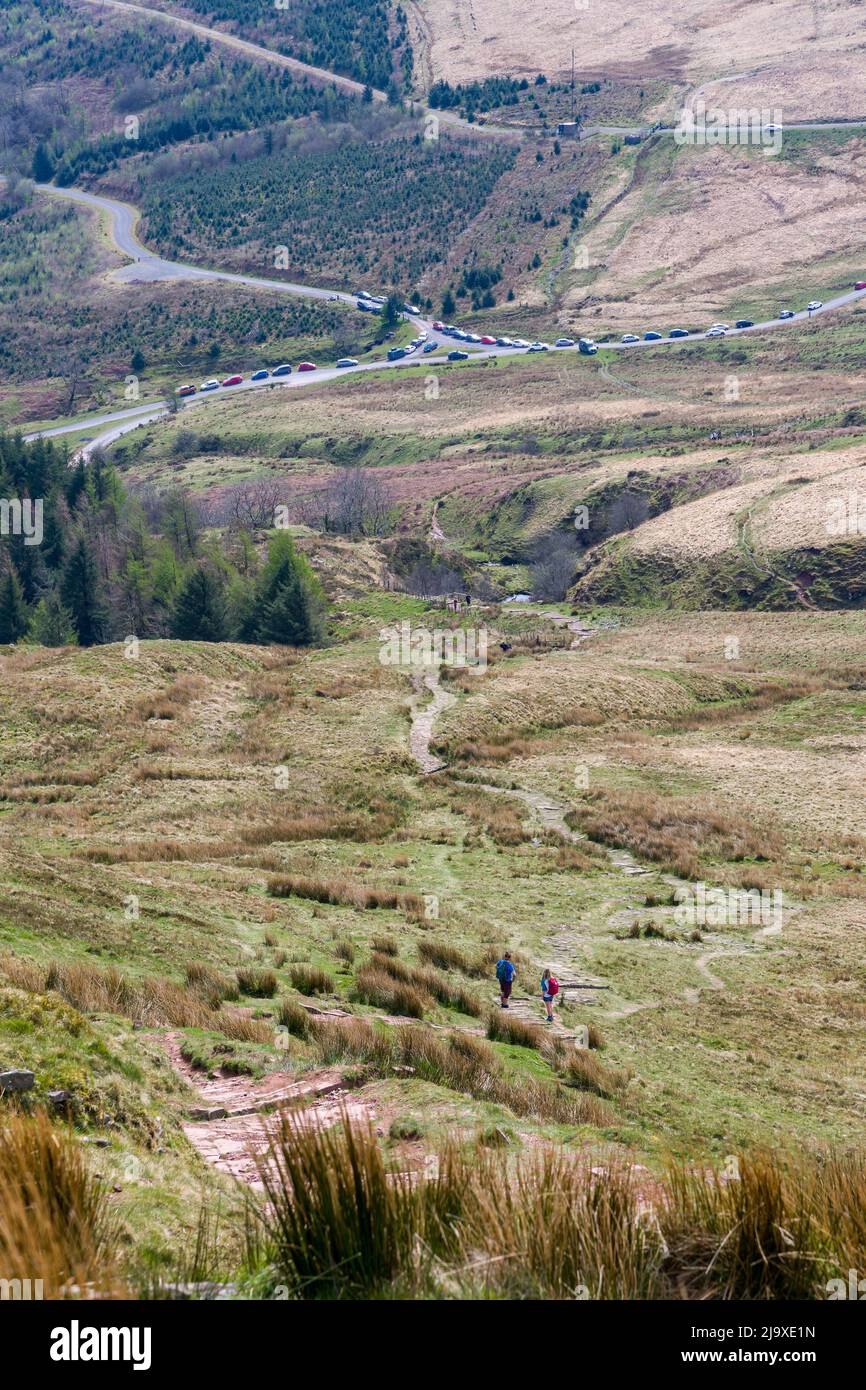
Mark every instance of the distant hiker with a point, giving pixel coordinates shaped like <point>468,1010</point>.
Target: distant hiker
<point>549,991</point>
<point>505,973</point>
<point>468,600</point>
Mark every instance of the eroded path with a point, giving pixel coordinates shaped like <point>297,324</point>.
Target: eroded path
<point>232,1126</point>
<point>551,815</point>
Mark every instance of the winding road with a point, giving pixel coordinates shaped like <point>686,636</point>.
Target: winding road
<point>148,266</point>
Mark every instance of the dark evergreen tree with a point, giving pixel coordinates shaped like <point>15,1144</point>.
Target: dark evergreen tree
<point>200,611</point>
<point>13,611</point>
<point>43,169</point>
<point>81,594</point>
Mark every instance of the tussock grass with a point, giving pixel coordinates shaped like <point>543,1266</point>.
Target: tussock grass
<point>672,831</point>
<point>344,892</point>
<point>583,1070</point>
<point>309,979</point>
<point>448,957</point>
<point>153,1002</point>
<point>211,984</point>
<point>458,1061</point>
<point>55,1220</point>
<point>344,950</point>
<point>256,981</point>
<point>295,1019</point>
<point>429,982</point>
<point>385,945</point>
<point>339,1222</point>
<point>503,1026</point>
<point>379,988</point>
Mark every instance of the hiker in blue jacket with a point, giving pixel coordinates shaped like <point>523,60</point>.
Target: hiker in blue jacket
<point>505,973</point>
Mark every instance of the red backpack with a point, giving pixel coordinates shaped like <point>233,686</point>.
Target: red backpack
<point>552,986</point>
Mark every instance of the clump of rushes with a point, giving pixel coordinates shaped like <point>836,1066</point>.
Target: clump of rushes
<point>255,981</point>
<point>583,1071</point>
<point>460,1061</point>
<point>293,1018</point>
<point>378,988</point>
<point>429,982</point>
<point>447,957</point>
<point>310,979</point>
<point>344,950</point>
<point>56,1222</point>
<point>211,984</point>
<point>502,1027</point>
<point>385,945</point>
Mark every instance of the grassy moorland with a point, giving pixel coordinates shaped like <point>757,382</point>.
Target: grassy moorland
<point>202,844</point>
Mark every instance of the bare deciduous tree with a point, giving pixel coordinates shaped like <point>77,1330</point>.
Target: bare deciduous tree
<point>356,503</point>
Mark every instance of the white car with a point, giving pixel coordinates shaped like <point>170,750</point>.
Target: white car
<point>726,326</point>
<point>564,342</point>
<point>520,343</point>
<point>815,304</point>
<point>211,385</point>
<point>538,347</point>
<point>629,338</point>
<point>716,332</point>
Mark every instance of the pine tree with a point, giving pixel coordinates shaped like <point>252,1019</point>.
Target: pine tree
<point>81,594</point>
<point>199,611</point>
<point>51,624</point>
<point>289,602</point>
<point>13,611</point>
<point>43,169</point>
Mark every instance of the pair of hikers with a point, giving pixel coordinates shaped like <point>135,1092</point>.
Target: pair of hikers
<point>505,972</point>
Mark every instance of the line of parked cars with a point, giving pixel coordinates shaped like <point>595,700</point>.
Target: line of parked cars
<point>263,374</point>
<point>373,303</point>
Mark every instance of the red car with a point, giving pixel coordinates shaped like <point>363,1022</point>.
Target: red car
<point>860,284</point>
<point>306,366</point>
<point>488,341</point>
<point>438,326</point>
<point>185,391</point>
<point>233,381</point>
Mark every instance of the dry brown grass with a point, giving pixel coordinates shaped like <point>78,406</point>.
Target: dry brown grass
<point>310,979</point>
<point>344,892</point>
<point>55,1222</point>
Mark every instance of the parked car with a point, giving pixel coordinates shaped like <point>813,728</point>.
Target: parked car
<point>233,380</point>
<point>716,333</point>
<point>629,338</point>
<point>347,362</point>
<point>678,333</point>
<point>188,390</point>
<point>457,356</point>
<point>488,341</point>
<point>744,323</point>
<point>366,306</point>
<point>282,370</point>
<point>431,346</point>
<point>787,314</point>
<point>396,352</point>
<point>211,385</point>
<point>410,309</point>
<point>306,366</point>
<point>439,327</point>
<point>587,346</point>
<point>565,342</point>
<point>537,347</point>
<point>815,304</point>
<point>261,375</point>
<point>652,337</point>
<point>860,284</point>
